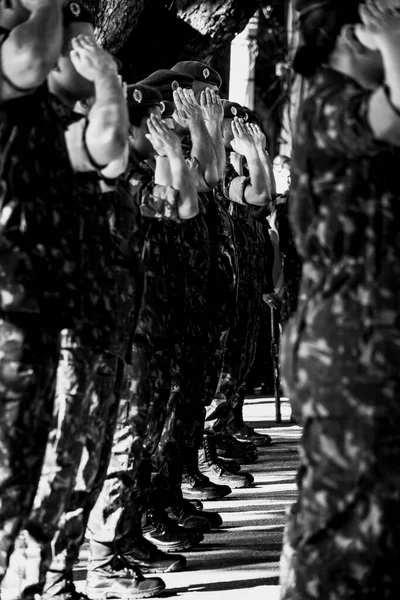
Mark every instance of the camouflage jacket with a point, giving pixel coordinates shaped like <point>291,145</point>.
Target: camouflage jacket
<point>159,224</point>
<point>249,235</point>
<point>39,222</point>
<point>345,211</point>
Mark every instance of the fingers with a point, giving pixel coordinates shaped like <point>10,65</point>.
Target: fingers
<point>178,99</point>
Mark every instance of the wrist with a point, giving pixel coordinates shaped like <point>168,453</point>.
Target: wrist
<point>106,75</point>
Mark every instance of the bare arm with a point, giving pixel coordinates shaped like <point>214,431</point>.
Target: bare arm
<point>188,114</point>
<point>31,49</point>
<point>380,30</point>
<point>107,128</point>
<point>257,191</point>
<point>176,173</point>
<point>213,114</point>
<point>260,142</point>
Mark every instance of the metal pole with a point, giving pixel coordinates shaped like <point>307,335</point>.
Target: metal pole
<point>275,335</point>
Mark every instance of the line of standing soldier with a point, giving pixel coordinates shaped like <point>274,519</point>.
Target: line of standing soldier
<point>132,274</point>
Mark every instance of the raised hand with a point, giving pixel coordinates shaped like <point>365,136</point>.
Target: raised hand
<point>211,106</point>
<point>164,141</point>
<point>33,5</point>
<point>187,109</point>
<point>90,60</point>
<point>243,141</point>
<point>258,135</point>
<point>380,24</point>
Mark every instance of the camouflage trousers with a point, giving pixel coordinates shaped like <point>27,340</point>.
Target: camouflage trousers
<point>342,536</point>
<point>28,362</point>
<point>185,410</point>
<point>238,346</point>
<point>56,524</point>
<point>116,518</point>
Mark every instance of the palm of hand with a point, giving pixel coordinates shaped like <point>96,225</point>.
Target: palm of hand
<point>241,144</point>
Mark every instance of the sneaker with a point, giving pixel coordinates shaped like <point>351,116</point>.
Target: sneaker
<point>248,434</point>
<point>166,534</point>
<point>195,484</point>
<point>117,580</point>
<point>150,559</point>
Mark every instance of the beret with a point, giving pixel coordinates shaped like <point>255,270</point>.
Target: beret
<point>139,95</point>
<point>168,110</point>
<point>252,116</point>
<point>74,12</point>
<point>199,71</point>
<point>165,80</point>
<point>233,109</point>
<point>305,6</point>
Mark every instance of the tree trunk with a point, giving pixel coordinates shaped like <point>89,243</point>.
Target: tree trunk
<point>153,34</point>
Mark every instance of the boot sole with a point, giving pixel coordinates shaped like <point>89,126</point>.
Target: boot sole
<point>107,595</point>
<point>175,567</point>
<point>256,442</point>
<point>204,496</point>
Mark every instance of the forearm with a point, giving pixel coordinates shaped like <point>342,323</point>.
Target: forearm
<point>108,120</point>
<point>181,181</point>
<point>267,165</point>
<point>214,130</point>
<point>32,49</point>
<point>162,173</point>
<point>259,187</point>
<point>203,150</point>
<point>390,56</point>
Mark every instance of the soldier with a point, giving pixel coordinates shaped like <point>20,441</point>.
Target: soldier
<point>83,69</point>
<point>38,257</point>
<point>341,349</point>
<point>242,195</point>
<point>165,198</point>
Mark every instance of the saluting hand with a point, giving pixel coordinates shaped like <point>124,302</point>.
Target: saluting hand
<point>164,141</point>
<point>90,60</point>
<point>33,5</point>
<point>211,106</point>
<point>243,141</point>
<point>258,135</point>
<point>380,24</point>
<point>187,109</point>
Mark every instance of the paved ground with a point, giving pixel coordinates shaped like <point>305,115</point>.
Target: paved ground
<point>240,560</point>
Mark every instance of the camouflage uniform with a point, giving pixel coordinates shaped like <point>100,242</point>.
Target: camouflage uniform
<point>81,347</point>
<point>239,342</point>
<point>341,349</point>
<point>204,305</point>
<point>114,519</point>
<point>39,270</point>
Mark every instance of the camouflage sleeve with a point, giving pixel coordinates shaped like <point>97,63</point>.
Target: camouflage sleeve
<point>338,118</point>
<point>159,202</point>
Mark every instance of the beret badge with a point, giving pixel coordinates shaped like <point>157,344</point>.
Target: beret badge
<point>234,110</point>
<point>75,9</point>
<point>137,96</point>
<point>175,85</point>
<point>162,107</point>
<point>206,73</point>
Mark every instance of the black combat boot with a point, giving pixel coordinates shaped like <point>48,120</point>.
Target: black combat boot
<point>229,447</point>
<point>166,534</point>
<point>197,485</point>
<point>185,508</point>
<point>111,576</point>
<point>145,555</point>
<point>212,467</point>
